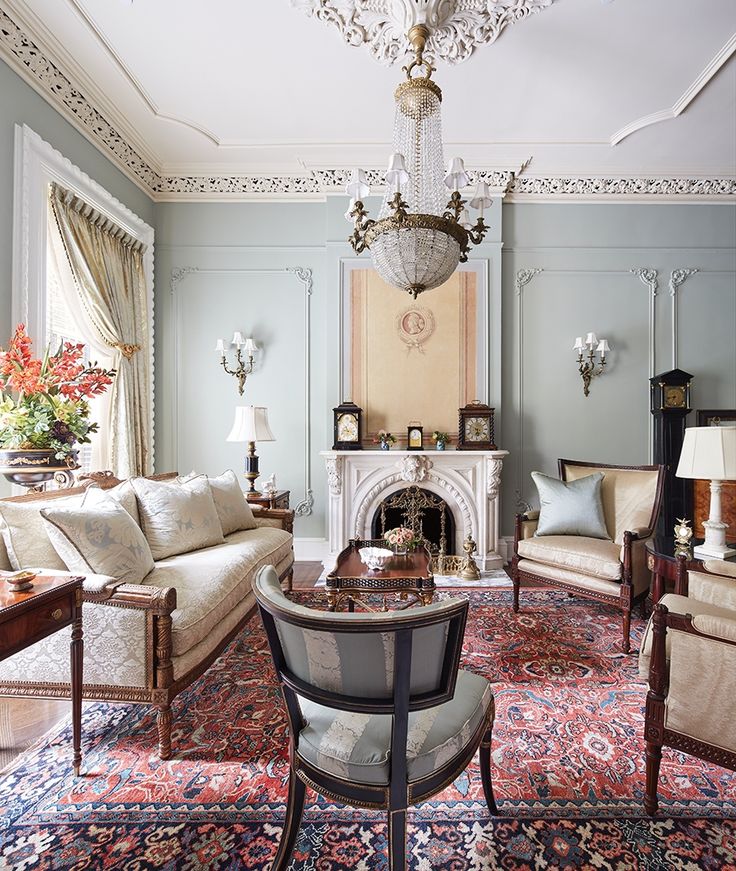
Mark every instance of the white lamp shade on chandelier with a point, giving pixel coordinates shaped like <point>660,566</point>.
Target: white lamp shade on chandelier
<point>251,425</point>
<point>709,452</point>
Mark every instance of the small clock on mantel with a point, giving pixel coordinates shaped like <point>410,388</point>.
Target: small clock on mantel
<point>475,428</point>
<point>348,427</point>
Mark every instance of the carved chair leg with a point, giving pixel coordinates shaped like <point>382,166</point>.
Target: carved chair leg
<point>654,757</point>
<point>294,810</point>
<point>397,840</point>
<point>515,582</point>
<point>290,580</point>
<point>625,645</point>
<point>485,773</point>
<point>163,724</point>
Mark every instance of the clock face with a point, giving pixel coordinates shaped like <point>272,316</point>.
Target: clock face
<point>674,397</point>
<point>347,428</point>
<point>477,429</point>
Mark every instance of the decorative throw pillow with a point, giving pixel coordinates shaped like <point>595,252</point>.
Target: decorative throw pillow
<point>571,508</point>
<point>177,517</point>
<point>123,494</point>
<point>230,502</point>
<point>101,538</point>
<point>24,533</point>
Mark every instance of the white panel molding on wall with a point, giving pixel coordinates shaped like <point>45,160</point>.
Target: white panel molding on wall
<point>304,277</point>
<point>523,278</point>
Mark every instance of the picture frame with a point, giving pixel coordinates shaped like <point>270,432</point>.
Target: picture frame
<point>414,437</point>
<point>701,489</point>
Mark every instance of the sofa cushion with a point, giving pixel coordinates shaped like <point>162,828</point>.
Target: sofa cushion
<point>589,556</point>
<point>230,502</point>
<point>102,538</point>
<point>24,532</point>
<point>573,508</point>
<point>356,746</point>
<point>123,494</point>
<point>177,517</point>
<point>210,582</point>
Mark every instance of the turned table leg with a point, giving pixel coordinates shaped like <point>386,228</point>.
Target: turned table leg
<point>77,659</point>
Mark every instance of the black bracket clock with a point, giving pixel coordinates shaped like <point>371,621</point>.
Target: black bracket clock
<point>348,427</point>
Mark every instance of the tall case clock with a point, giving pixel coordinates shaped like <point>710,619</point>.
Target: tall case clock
<point>669,395</point>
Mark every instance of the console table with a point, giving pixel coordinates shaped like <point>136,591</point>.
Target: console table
<point>662,562</point>
<point>27,617</point>
<point>280,499</point>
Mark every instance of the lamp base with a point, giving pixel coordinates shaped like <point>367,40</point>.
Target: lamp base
<point>251,469</point>
<point>713,551</point>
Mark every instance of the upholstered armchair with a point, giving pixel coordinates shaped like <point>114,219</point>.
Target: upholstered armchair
<point>379,714</point>
<point>612,570</point>
<point>688,655</point>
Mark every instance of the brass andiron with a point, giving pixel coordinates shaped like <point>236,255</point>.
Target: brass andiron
<point>469,570</point>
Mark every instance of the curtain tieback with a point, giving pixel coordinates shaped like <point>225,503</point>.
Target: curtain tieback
<point>126,350</point>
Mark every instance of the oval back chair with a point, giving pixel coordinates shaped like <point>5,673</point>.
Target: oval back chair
<point>379,714</point>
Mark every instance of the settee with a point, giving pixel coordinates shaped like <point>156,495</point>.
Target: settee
<point>146,642</point>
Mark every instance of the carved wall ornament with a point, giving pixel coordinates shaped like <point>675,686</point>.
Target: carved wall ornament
<point>415,325</point>
<point>414,469</point>
<point>457,27</point>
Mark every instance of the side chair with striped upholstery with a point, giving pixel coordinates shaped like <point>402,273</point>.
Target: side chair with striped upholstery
<point>379,714</point>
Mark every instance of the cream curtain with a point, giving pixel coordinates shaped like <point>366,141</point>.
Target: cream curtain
<point>107,265</point>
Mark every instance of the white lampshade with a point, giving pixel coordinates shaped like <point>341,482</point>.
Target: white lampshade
<point>250,346</point>
<point>238,339</point>
<point>603,347</point>
<point>591,339</point>
<point>579,345</point>
<point>251,425</point>
<point>396,174</point>
<point>220,346</point>
<point>357,188</point>
<point>708,452</point>
<point>481,198</point>
<point>456,177</point>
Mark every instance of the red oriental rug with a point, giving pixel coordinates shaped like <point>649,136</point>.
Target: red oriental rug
<point>568,770</point>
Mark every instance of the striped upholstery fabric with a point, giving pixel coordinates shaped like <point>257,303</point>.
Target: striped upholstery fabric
<point>358,663</point>
<point>356,746</point>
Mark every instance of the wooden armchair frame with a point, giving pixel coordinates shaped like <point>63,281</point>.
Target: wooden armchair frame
<point>399,793</point>
<point>655,732</point>
<point>625,599</point>
<point>158,603</point>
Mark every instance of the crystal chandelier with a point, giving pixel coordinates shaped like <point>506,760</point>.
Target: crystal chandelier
<point>417,241</point>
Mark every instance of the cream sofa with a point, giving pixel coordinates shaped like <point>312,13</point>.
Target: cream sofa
<point>146,642</point>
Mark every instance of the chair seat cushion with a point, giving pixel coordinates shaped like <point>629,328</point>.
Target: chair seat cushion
<point>589,556</point>
<point>677,605</point>
<point>212,581</point>
<point>356,747</point>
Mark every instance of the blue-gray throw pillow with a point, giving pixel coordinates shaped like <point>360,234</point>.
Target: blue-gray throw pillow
<point>571,508</point>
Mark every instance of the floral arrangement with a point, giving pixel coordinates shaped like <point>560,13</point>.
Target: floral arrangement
<point>383,437</point>
<point>440,437</point>
<point>43,403</point>
<point>401,537</point>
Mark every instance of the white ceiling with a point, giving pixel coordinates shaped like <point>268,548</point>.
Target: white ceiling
<point>241,86</point>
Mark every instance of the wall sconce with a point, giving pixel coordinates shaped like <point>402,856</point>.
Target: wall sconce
<point>242,369</point>
<point>592,367</point>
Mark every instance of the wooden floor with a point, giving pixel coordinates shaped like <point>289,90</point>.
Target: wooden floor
<point>24,721</point>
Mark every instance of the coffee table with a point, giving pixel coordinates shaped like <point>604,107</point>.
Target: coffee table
<point>408,575</point>
<point>662,563</point>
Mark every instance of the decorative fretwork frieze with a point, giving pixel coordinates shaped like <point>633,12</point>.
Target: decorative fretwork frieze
<point>557,186</point>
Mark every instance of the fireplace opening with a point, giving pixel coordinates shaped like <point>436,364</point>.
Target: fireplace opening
<point>422,511</point>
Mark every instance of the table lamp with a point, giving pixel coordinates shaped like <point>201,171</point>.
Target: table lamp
<point>710,452</point>
<point>251,425</point>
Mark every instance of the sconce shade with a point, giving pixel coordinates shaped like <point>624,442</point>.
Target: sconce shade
<point>708,452</point>
<point>250,346</point>
<point>603,346</point>
<point>238,339</point>
<point>591,339</point>
<point>251,425</point>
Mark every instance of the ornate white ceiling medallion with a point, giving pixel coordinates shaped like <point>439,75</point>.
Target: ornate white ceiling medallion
<point>457,26</point>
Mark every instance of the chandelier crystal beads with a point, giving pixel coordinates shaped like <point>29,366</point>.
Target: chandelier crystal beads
<point>420,236</point>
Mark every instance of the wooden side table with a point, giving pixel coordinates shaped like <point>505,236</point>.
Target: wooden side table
<point>280,499</point>
<point>52,604</point>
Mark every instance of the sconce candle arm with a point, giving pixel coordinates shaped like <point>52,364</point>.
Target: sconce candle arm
<point>590,368</point>
<point>241,371</point>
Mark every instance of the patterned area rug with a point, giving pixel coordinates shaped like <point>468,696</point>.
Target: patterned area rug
<point>568,770</point>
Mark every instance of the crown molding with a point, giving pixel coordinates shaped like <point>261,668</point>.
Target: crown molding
<point>60,88</point>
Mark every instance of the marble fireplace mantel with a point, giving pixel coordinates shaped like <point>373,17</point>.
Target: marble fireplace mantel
<point>469,481</point>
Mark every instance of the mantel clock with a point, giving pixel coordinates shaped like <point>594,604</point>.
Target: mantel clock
<point>348,427</point>
<point>475,428</point>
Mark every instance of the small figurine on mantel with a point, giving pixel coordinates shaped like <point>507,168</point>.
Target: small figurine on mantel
<point>268,487</point>
<point>683,534</point>
<point>469,569</point>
